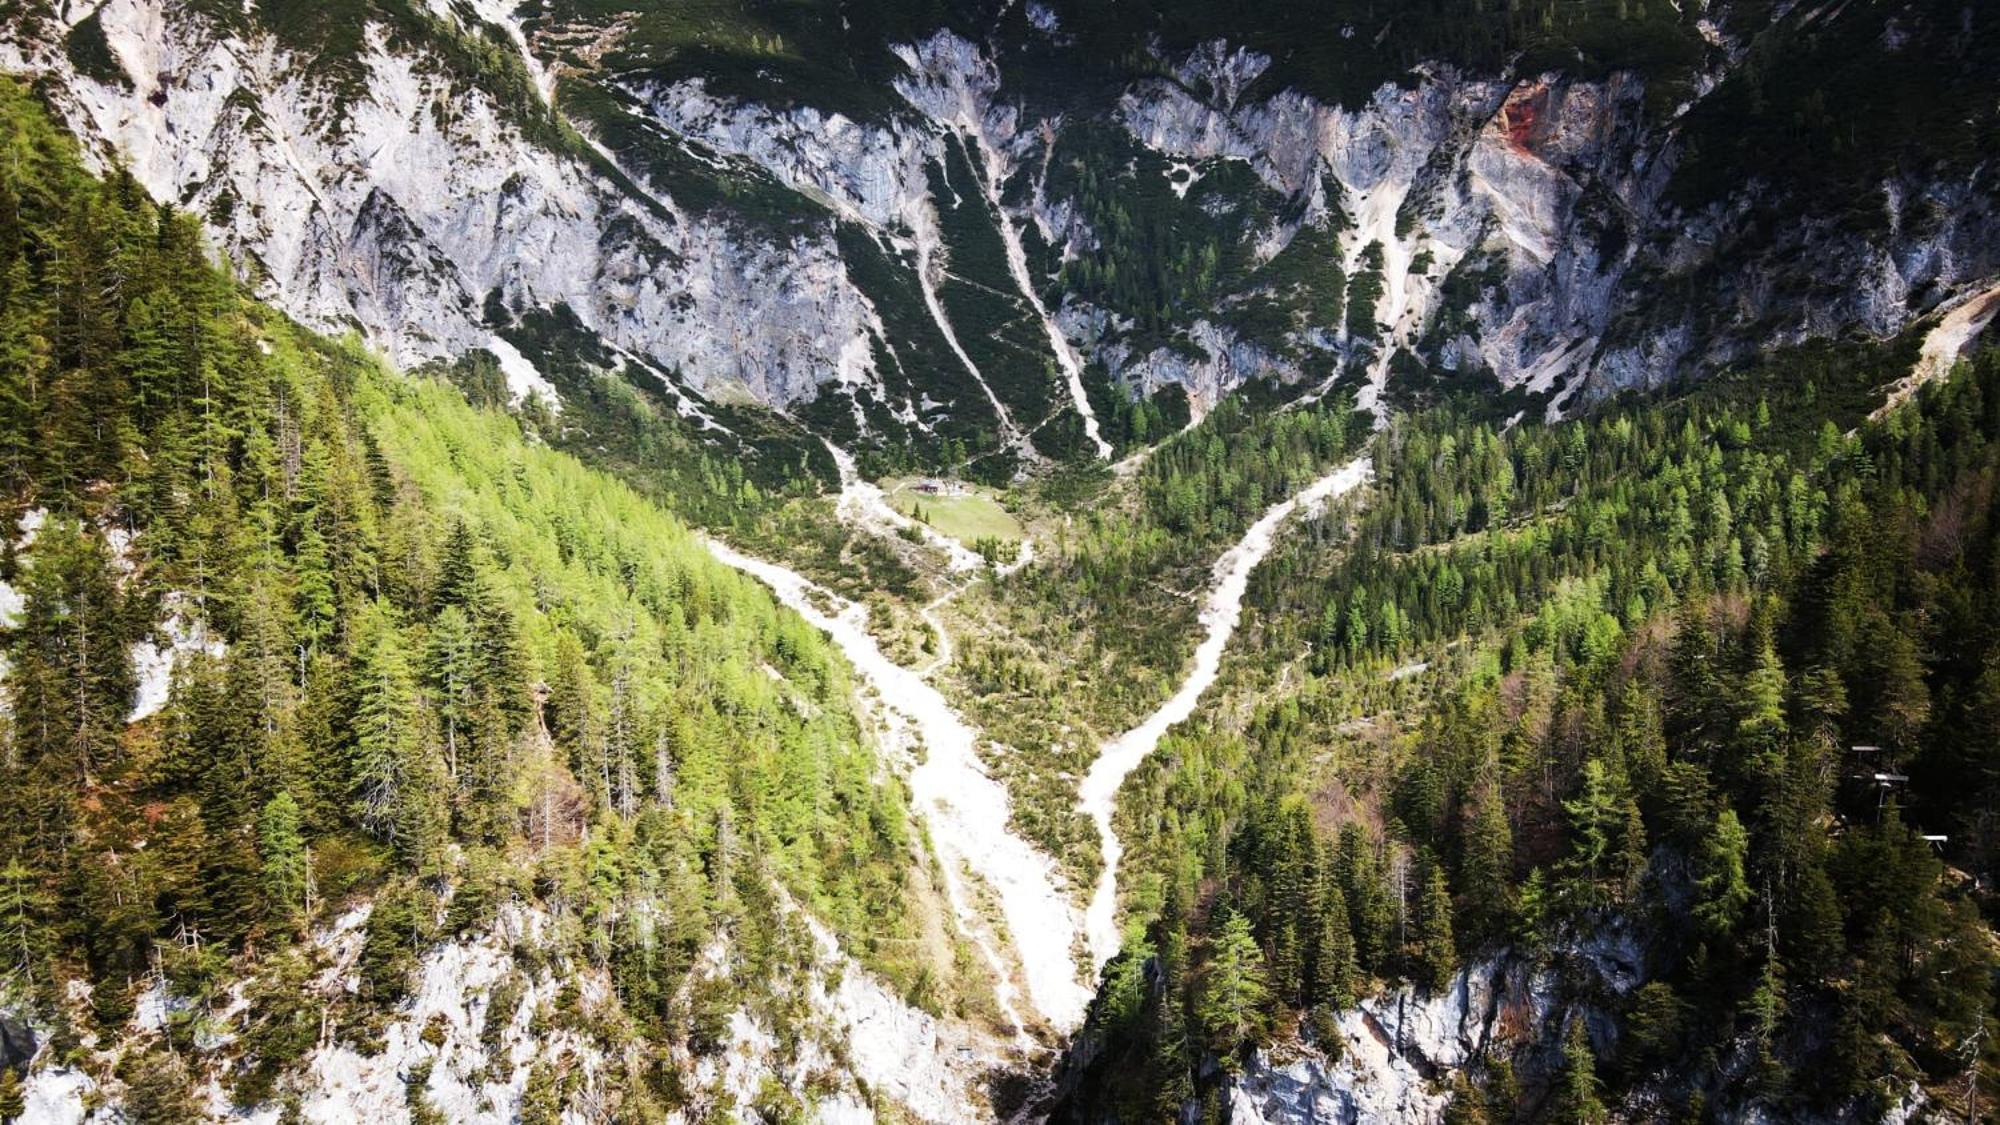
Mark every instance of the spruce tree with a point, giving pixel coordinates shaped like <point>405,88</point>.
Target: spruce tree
<point>573,717</point>
<point>1335,976</point>
<point>1503,1090</point>
<point>1597,823</point>
<point>1287,962</point>
<point>23,906</point>
<point>1765,1009</point>
<point>453,673</point>
<point>1533,916</point>
<point>71,682</point>
<point>1467,1105</point>
<point>1487,868</point>
<point>397,773</point>
<point>386,731</point>
<point>1233,990</point>
<point>458,567</point>
<point>1369,912</point>
<point>1722,886</point>
<point>1641,743</point>
<point>158,1090</point>
<point>1436,952</point>
<point>315,602</point>
<point>151,360</point>
<point>1167,1063</point>
<point>541,1099</point>
<point>283,847</point>
<point>13,1099</point>
<point>1577,1098</point>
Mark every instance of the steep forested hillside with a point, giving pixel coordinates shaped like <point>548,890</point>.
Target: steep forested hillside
<point>1695,688</point>
<point>288,635</point>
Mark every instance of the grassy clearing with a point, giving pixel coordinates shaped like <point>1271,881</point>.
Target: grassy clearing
<point>972,514</point>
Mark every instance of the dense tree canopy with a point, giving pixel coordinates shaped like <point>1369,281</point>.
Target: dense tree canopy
<point>1608,676</point>
<point>415,658</point>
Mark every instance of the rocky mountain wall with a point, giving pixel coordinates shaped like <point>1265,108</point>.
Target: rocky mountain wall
<point>1523,224</point>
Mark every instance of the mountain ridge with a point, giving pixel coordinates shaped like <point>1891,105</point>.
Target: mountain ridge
<point>1535,230</point>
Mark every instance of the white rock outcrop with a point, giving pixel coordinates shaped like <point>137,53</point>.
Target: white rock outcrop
<point>866,1047</point>
<point>1560,184</point>
<point>401,205</point>
<point>1396,1048</point>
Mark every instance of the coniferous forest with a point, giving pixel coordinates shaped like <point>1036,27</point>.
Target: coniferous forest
<point>786,561</point>
<point>420,659</point>
<point>1718,721</point>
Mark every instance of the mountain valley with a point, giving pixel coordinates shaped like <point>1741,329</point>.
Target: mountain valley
<point>946,560</point>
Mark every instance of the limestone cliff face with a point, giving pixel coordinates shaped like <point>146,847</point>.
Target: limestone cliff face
<point>1394,1048</point>
<point>1397,1051</point>
<point>480,1018</point>
<point>1522,222</point>
<point>401,204</point>
<point>1561,185</point>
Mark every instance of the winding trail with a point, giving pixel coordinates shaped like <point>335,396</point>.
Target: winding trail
<point>1219,616</point>
<point>967,812</point>
<point>863,504</point>
<point>1136,461</point>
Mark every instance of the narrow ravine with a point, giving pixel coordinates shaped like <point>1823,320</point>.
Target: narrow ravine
<point>1017,265</point>
<point>966,810</point>
<point>1116,760</point>
<point>926,261</point>
<point>1377,225</point>
<point>500,14</point>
